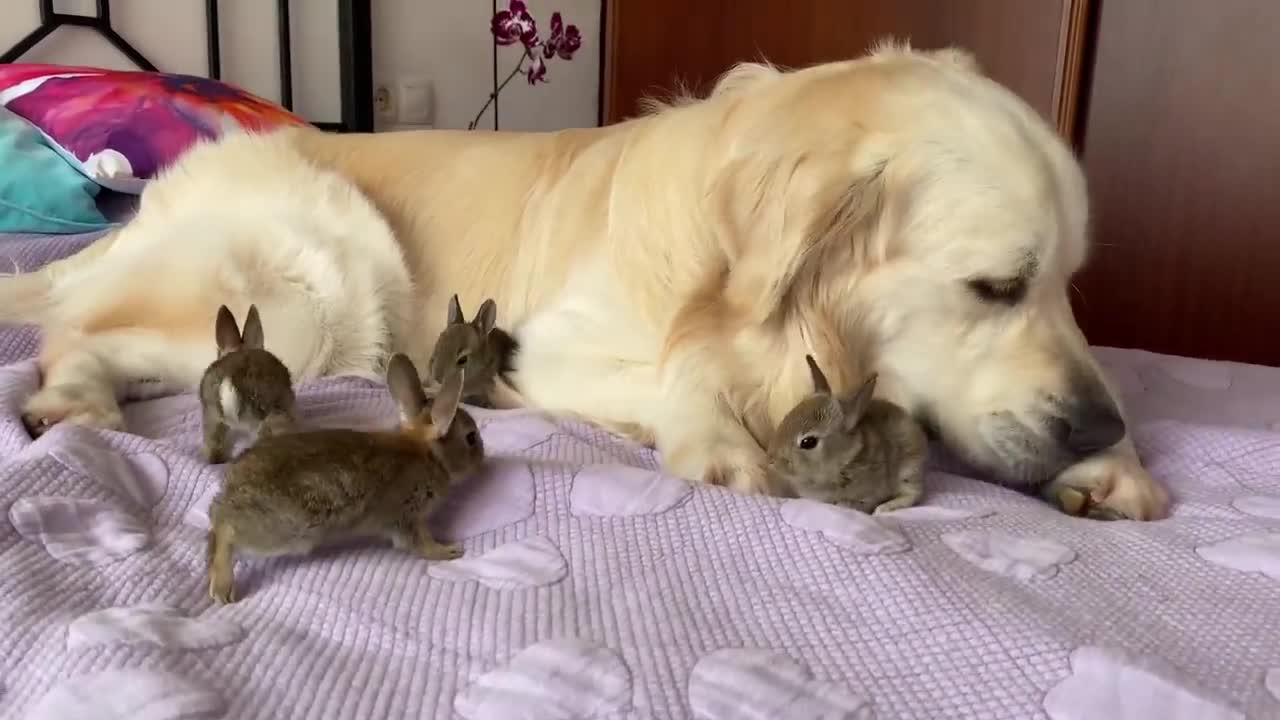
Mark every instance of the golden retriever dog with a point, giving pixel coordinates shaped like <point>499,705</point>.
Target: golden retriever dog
<point>664,277</point>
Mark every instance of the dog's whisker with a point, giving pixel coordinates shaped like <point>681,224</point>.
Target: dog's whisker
<point>1080,293</point>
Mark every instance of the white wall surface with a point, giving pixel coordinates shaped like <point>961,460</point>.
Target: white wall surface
<point>445,42</point>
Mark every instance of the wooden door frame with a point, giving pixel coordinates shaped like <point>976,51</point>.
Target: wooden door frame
<point>1073,48</point>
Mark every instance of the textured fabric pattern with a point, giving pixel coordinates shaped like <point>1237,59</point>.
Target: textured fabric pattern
<point>646,597</point>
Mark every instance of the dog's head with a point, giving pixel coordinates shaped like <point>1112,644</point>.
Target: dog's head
<point>905,214</point>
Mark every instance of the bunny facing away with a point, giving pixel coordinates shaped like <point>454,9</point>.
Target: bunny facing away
<point>853,450</point>
<point>291,493</point>
<point>247,387</point>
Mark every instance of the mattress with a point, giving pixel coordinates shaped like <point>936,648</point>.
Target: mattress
<point>595,586</point>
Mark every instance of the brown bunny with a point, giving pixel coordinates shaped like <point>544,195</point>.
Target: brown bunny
<point>475,345</point>
<point>246,387</point>
<point>856,451</point>
<point>291,493</point>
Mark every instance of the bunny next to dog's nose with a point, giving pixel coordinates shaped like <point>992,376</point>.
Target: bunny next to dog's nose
<point>1094,427</point>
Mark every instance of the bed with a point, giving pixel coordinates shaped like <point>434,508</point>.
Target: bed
<point>595,586</point>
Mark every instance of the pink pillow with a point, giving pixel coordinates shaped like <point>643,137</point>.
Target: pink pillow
<point>122,127</point>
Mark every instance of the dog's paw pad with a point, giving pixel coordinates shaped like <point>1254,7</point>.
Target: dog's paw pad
<point>1258,553</point>
<point>498,494</point>
<point>1106,683</point>
<point>1267,506</point>
<point>743,684</point>
<point>846,528</point>
<point>74,530</point>
<point>532,562</point>
<point>1017,557</point>
<point>551,680</point>
<point>621,491</point>
<point>151,624</point>
<point>128,694</point>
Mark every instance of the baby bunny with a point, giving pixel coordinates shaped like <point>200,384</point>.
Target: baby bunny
<point>291,493</point>
<point>475,346</point>
<point>853,451</point>
<point>246,387</point>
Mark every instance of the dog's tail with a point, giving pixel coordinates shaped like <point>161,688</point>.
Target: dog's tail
<point>25,298</point>
<point>28,297</point>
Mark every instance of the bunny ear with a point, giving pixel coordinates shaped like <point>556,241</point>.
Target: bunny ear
<point>405,387</point>
<point>253,337</point>
<point>445,405</point>
<point>227,332</point>
<point>455,311</point>
<point>820,383</point>
<point>486,317</point>
<point>854,407</point>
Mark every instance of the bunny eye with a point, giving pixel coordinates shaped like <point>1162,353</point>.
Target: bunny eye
<point>462,360</point>
<point>808,442</point>
<point>472,438</point>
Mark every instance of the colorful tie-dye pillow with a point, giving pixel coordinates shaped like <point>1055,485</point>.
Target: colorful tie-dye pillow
<point>122,127</point>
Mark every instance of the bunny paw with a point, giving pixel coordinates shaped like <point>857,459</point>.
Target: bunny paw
<point>222,589</point>
<point>432,550</point>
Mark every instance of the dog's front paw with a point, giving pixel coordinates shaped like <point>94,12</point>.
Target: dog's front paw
<point>747,479</point>
<point>1110,486</point>
<point>76,404</point>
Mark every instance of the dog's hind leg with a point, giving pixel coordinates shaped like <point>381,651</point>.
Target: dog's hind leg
<point>84,375</point>
<point>77,388</point>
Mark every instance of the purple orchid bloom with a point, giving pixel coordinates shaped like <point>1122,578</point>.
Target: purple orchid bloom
<point>564,41</point>
<point>515,24</point>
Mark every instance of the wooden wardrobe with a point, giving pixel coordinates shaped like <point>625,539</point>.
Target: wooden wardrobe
<point>1173,106</point>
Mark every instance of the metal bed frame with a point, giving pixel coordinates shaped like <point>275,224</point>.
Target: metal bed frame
<point>355,52</point>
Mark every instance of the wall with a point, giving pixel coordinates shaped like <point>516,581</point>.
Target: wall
<point>659,43</point>
<point>444,41</point>
<point>1180,148</point>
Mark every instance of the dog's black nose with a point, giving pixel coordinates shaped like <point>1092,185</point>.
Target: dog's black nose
<point>1092,429</point>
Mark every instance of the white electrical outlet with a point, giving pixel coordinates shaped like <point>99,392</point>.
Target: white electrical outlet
<point>384,102</point>
<point>413,101</point>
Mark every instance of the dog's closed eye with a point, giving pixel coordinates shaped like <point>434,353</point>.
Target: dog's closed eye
<point>1008,291</point>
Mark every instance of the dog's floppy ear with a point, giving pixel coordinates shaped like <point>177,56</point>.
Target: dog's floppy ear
<point>777,208</point>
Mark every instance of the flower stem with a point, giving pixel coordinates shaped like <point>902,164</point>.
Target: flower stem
<point>493,96</point>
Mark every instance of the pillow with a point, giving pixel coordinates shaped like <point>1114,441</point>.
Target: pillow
<point>40,192</point>
<point>122,127</point>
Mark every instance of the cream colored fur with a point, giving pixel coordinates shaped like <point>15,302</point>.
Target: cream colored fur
<point>664,276</point>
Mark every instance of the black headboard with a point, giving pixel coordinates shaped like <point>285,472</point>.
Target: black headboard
<point>355,52</point>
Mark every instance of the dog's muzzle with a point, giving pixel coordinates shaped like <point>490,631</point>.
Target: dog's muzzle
<point>1090,428</point>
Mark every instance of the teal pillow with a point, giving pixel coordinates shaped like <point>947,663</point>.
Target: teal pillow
<point>39,191</point>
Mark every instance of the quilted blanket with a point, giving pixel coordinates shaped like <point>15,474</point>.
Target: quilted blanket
<point>595,586</point>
